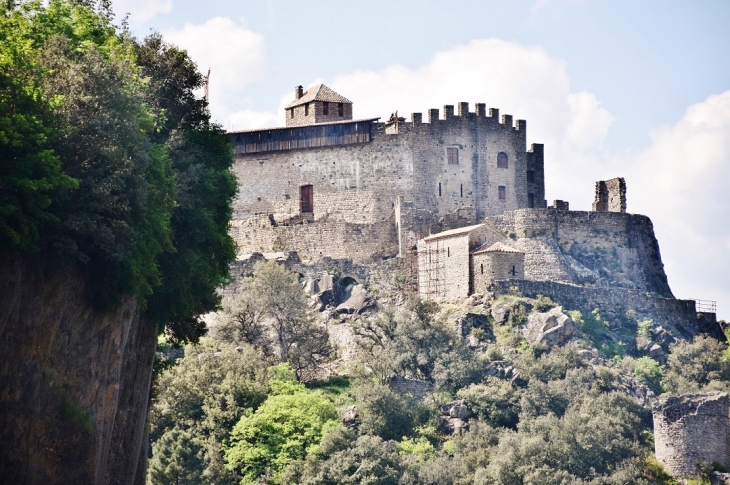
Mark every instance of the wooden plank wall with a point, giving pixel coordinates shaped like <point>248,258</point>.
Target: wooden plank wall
<point>301,137</point>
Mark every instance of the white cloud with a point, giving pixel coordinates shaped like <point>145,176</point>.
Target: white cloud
<point>141,10</point>
<point>680,181</point>
<point>250,120</point>
<point>519,80</point>
<point>235,55</point>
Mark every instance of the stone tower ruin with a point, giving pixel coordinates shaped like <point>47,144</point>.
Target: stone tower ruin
<point>691,429</point>
<point>610,195</point>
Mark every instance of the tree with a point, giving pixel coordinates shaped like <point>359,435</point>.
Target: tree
<point>415,343</point>
<point>274,294</point>
<point>700,365</point>
<point>108,160</point>
<point>177,458</point>
<point>289,425</point>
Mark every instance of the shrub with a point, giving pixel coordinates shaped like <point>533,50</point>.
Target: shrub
<point>543,303</point>
<point>645,329</point>
<point>494,353</point>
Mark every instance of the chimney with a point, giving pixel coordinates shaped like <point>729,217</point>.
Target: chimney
<point>298,92</point>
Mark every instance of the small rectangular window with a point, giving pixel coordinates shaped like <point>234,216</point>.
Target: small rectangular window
<point>502,160</point>
<point>453,155</point>
<point>531,201</point>
<point>340,110</point>
<point>325,108</point>
<point>306,109</point>
<point>530,175</point>
<point>502,192</point>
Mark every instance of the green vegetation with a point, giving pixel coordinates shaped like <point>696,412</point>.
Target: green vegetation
<point>108,161</point>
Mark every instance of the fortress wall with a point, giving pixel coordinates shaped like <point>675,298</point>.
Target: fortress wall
<point>335,238</point>
<point>679,315</point>
<point>620,249</point>
<point>691,429</point>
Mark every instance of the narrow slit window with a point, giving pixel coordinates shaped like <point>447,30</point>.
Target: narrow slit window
<point>482,266</point>
<point>448,252</point>
<point>531,201</point>
<point>341,110</point>
<point>291,113</point>
<point>530,175</point>
<point>461,188</point>
<point>502,192</point>
<point>439,189</point>
<point>452,154</point>
<point>502,160</point>
<point>325,108</point>
<point>306,109</point>
<point>307,199</point>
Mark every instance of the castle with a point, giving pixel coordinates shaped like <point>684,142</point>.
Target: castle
<point>326,184</point>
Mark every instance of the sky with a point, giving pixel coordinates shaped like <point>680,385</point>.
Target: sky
<point>612,88</point>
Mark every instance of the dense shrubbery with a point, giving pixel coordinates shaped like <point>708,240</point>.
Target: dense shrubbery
<point>108,160</point>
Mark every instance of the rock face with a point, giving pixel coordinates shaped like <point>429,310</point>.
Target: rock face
<point>74,383</point>
<point>358,301</point>
<point>551,328</point>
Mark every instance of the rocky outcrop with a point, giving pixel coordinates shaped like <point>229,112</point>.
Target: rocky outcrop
<point>550,328</point>
<point>453,417</point>
<point>358,300</point>
<point>74,382</point>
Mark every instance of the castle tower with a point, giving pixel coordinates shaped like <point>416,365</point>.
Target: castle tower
<point>691,429</point>
<point>319,104</point>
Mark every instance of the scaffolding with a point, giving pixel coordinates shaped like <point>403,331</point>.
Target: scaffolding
<point>432,271</point>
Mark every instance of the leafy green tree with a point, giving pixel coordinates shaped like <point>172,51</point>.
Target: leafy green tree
<point>109,160</point>
<point>345,458</point>
<point>177,458</point>
<point>289,425</point>
<point>416,344</point>
<point>695,366</point>
<point>271,311</point>
<point>495,402</point>
<point>381,412</point>
<point>205,395</point>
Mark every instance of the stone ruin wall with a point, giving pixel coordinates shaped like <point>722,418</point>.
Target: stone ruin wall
<point>489,267</point>
<point>691,429</point>
<point>362,243</point>
<point>679,316</point>
<point>598,240</point>
<point>610,195</point>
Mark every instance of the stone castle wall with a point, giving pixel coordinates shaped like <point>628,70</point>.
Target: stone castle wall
<point>679,316</point>
<point>604,249</point>
<point>691,429</point>
<point>360,183</point>
<point>489,267</point>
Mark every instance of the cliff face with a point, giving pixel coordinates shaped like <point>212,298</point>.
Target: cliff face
<point>74,383</point>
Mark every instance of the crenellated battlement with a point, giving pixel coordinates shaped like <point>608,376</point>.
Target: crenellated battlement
<point>462,112</point>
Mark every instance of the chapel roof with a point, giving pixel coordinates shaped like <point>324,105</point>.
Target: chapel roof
<point>452,233</point>
<point>497,247</point>
<point>319,92</point>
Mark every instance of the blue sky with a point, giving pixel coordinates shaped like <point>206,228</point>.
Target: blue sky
<point>638,89</point>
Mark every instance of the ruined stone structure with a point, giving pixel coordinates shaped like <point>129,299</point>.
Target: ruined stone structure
<point>365,190</point>
<point>691,429</point>
<point>610,195</point>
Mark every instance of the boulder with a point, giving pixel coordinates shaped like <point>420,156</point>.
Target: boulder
<point>550,328</point>
<point>466,321</point>
<point>348,416</point>
<point>358,301</point>
<point>456,409</point>
<point>451,426</point>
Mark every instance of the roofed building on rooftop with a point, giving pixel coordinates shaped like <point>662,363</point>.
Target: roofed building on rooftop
<point>495,262</point>
<point>319,104</point>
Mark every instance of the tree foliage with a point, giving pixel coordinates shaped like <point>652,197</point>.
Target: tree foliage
<point>289,425</point>
<point>108,160</point>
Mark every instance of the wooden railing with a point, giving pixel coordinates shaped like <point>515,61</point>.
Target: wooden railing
<point>706,306</point>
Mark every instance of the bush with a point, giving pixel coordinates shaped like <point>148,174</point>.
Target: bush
<point>697,366</point>
<point>543,303</point>
<point>381,412</point>
<point>287,427</point>
<point>495,402</point>
<point>645,329</point>
<point>494,353</point>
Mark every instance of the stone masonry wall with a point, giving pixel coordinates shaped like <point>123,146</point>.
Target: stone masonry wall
<point>679,316</point>
<point>489,267</point>
<point>359,183</point>
<point>610,195</point>
<point>328,237</point>
<point>691,429</point>
<point>604,249</point>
